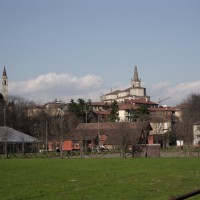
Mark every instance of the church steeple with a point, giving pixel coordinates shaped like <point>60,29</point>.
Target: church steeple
<point>4,84</point>
<point>135,82</point>
<point>4,72</point>
<point>135,76</point>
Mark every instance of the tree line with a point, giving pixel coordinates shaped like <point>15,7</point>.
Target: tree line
<point>14,114</point>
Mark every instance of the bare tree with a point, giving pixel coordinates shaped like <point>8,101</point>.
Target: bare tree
<point>128,136</point>
<point>190,109</point>
<point>16,114</point>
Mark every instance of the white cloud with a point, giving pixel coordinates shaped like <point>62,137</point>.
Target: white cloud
<point>65,87</point>
<point>176,93</point>
<point>56,86</point>
<point>169,94</point>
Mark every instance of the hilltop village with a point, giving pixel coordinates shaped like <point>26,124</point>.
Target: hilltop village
<point>121,119</point>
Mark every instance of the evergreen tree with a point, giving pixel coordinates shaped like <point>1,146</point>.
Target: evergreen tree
<point>113,117</point>
<point>1,97</point>
<point>141,114</point>
<point>81,109</point>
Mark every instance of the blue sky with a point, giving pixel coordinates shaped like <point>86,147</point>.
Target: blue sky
<point>64,49</point>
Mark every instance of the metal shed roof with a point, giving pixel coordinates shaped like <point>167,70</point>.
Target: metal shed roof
<point>11,135</point>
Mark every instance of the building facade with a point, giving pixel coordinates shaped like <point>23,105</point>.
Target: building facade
<point>196,133</point>
<point>136,91</point>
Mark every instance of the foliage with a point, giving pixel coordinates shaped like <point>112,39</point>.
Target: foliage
<point>81,109</point>
<point>172,138</point>
<point>1,97</point>
<point>126,136</point>
<point>16,114</point>
<point>141,114</point>
<point>113,179</point>
<point>190,108</point>
<point>113,117</point>
<point>39,124</point>
<point>2,112</point>
<point>42,123</point>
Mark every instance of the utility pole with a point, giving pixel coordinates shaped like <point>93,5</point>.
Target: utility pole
<point>61,130</point>
<point>98,133</point>
<point>4,117</point>
<point>86,116</point>
<point>145,132</point>
<point>46,138</point>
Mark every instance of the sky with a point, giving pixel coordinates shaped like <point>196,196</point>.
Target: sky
<point>70,49</point>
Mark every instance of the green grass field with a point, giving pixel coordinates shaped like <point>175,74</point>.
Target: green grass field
<point>139,178</point>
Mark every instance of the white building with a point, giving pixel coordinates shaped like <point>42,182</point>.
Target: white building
<point>136,91</point>
<point>196,133</point>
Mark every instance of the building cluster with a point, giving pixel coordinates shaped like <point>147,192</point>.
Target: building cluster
<point>136,91</point>
<point>107,134</point>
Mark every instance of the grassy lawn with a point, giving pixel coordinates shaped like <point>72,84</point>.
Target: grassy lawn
<point>139,178</point>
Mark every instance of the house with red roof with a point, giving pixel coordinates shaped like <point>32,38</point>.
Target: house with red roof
<point>109,135</point>
<point>162,121</point>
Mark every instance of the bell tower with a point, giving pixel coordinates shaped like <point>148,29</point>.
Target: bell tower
<point>4,85</point>
<point>135,82</point>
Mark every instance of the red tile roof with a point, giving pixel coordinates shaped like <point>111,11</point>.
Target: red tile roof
<point>100,104</point>
<point>197,123</point>
<point>127,106</point>
<point>101,112</point>
<point>163,109</point>
<point>115,132</point>
<point>141,101</point>
<point>112,125</point>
